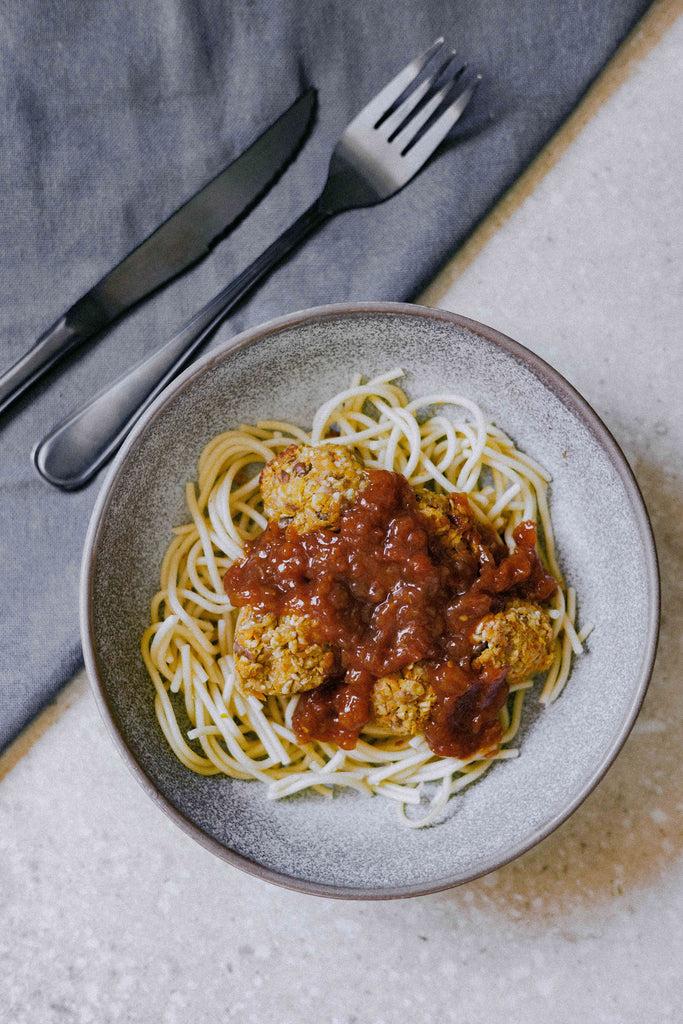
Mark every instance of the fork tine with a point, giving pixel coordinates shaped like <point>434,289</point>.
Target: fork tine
<point>418,154</point>
<point>395,121</point>
<point>411,125</point>
<point>381,104</point>
<point>420,119</point>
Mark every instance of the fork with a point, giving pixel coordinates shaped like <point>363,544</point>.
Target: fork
<point>380,151</point>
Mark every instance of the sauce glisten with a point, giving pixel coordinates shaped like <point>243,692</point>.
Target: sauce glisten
<point>386,594</point>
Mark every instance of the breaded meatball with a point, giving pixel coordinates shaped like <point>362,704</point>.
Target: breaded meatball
<point>521,638</point>
<point>311,486</point>
<point>402,701</point>
<point>279,655</point>
<point>435,509</point>
<point>452,521</point>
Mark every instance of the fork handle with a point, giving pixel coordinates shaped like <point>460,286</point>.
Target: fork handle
<point>77,448</point>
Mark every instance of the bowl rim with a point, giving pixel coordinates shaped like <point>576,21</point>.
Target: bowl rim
<point>566,393</point>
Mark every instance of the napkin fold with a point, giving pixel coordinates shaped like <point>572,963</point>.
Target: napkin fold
<point>114,114</point>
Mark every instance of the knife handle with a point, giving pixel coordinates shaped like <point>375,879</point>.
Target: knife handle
<point>76,449</point>
<point>55,342</point>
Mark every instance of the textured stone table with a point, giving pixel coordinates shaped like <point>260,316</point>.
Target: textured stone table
<point>108,913</point>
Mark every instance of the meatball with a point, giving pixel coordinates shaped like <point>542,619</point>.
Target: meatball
<point>451,520</point>
<point>279,655</point>
<point>311,486</point>
<point>402,701</point>
<point>435,508</point>
<point>519,638</point>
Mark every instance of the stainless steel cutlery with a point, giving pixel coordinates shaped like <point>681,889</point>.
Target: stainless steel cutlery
<point>379,152</point>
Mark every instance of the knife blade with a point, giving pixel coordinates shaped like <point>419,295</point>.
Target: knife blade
<point>181,241</point>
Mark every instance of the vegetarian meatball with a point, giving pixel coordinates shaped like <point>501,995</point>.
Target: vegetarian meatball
<point>402,701</point>
<point>436,508</point>
<point>450,519</point>
<point>519,638</point>
<point>279,655</point>
<point>310,487</point>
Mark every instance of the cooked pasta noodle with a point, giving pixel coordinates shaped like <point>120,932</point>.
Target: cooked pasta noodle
<point>442,440</point>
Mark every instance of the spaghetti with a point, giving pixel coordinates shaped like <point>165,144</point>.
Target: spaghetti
<point>441,440</point>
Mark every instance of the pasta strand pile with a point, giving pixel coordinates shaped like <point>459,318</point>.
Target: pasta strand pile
<point>441,440</point>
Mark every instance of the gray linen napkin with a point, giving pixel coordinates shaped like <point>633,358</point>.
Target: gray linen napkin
<point>112,114</point>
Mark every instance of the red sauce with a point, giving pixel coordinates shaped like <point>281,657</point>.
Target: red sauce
<point>385,593</point>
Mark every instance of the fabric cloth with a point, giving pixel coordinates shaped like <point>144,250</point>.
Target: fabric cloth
<point>115,113</point>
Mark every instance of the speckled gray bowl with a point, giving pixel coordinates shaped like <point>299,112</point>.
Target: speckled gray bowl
<point>350,846</point>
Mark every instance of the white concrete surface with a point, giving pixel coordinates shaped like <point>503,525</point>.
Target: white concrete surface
<point>108,913</point>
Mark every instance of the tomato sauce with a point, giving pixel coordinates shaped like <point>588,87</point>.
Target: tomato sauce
<point>386,594</point>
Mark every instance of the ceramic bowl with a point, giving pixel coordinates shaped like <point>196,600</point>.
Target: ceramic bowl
<point>351,846</point>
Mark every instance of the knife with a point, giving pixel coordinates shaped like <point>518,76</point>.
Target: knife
<point>182,240</point>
